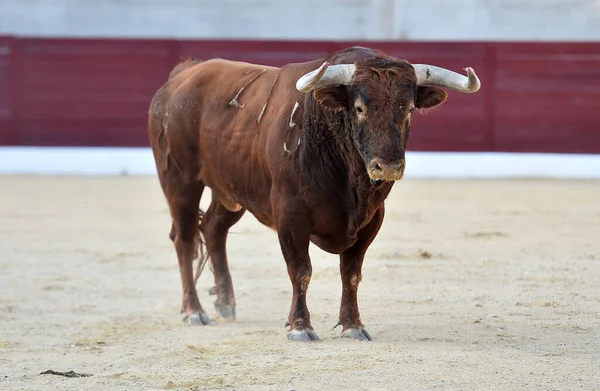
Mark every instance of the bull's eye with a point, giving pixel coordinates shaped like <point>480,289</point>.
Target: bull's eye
<point>360,109</point>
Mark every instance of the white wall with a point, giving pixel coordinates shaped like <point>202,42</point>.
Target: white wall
<point>573,20</point>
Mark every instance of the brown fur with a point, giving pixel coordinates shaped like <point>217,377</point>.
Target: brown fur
<point>310,181</point>
<point>182,66</point>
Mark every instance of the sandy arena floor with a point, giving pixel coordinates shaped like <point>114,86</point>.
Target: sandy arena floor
<point>470,285</point>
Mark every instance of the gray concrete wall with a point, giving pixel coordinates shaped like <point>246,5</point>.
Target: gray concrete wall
<point>574,20</point>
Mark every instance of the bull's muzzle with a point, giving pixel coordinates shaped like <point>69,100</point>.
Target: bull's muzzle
<point>379,169</point>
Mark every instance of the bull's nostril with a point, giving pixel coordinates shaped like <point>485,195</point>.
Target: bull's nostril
<point>392,171</point>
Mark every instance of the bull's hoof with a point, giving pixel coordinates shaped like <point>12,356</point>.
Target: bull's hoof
<point>227,311</point>
<point>212,291</point>
<point>360,334</point>
<point>303,335</point>
<point>197,319</point>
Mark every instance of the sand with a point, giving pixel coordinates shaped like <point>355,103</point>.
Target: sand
<point>470,285</point>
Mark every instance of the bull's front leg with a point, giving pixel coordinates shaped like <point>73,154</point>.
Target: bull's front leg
<point>294,238</point>
<point>351,262</point>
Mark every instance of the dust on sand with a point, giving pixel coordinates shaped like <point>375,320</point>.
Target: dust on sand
<point>482,285</point>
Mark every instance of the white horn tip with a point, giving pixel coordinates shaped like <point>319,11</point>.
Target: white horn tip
<point>474,82</point>
<point>308,81</point>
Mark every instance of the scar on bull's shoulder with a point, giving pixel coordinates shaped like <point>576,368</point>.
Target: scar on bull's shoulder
<point>234,102</point>
<point>296,105</point>
<point>285,146</point>
<point>262,112</point>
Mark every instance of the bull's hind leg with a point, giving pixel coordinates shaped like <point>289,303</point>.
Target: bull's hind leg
<point>351,262</point>
<point>215,227</point>
<point>182,190</point>
<point>184,202</point>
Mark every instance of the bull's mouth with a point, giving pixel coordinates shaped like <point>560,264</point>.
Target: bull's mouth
<point>379,175</point>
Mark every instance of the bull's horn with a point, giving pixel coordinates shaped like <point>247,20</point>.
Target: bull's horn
<point>436,76</point>
<point>326,75</point>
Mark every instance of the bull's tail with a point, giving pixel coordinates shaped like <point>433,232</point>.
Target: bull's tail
<point>201,251</point>
<point>182,66</point>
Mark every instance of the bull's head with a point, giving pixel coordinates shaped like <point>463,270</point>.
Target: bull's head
<point>378,96</point>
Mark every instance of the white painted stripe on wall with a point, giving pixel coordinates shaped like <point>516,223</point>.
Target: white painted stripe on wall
<point>76,161</point>
<point>501,165</point>
<point>139,161</point>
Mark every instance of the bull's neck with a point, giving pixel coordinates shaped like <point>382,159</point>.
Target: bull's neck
<point>333,161</point>
<point>328,146</point>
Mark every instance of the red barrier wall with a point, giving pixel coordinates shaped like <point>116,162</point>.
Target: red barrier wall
<point>536,97</point>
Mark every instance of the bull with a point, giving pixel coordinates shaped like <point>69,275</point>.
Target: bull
<point>310,149</point>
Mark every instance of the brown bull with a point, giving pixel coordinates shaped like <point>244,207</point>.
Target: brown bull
<point>311,150</point>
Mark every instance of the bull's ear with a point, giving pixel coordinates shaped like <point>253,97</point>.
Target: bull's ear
<point>428,97</point>
<point>332,97</point>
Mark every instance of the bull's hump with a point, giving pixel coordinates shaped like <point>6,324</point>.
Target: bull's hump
<point>232,67</point>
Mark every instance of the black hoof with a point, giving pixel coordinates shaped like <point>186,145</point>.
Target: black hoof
<point>303,335</point>
<point>226,311</point>
<point>360,334</point>
<point>212,291</point>
<point>197,319</point>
